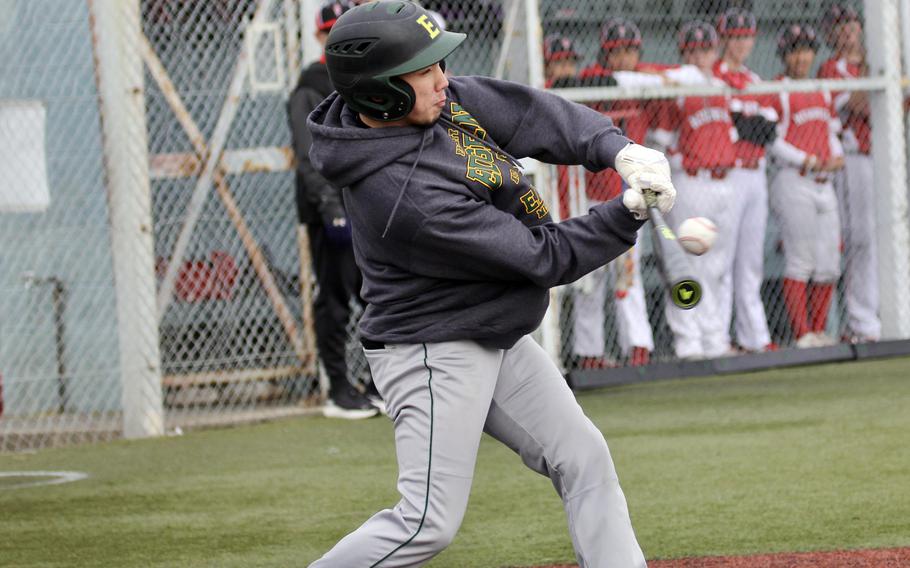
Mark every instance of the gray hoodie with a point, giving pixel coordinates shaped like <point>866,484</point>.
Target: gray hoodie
<point>453,241</point>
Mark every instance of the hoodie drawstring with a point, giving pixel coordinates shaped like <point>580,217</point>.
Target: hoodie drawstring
<point>407,180</point>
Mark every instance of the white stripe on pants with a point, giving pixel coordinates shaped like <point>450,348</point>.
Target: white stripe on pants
<point>699,332</point>
<point>441,396</point>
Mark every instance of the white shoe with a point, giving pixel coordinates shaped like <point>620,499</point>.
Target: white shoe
<point>808,340</point>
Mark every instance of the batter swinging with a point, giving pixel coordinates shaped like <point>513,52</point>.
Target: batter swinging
<point>457,251</point>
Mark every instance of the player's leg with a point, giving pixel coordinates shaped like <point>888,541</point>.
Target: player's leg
<point>739,179</point>
<point>717,202</point>
<point>748,265</point>
<point>636,339</point>
<point>438,396</point>
<point>337,278</point>
<point>793,204</point>
<point>861,247</point>
<point>534,413</point>
<point>687,341</point>
<point>588,296</point>
<point>827,258</point>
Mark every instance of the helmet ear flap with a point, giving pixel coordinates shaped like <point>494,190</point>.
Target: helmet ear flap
<point>391,102</point>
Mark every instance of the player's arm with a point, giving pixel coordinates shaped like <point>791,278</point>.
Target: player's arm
<point>472,240</point>
<point>850,103</point>
<point>790,155</point>
<point>528,122</point>
<point>318,190</point>
<point>836,161</point>
<point>533,123</point>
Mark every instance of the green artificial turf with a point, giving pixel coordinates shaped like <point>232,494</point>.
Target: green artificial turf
<point>800,459</point>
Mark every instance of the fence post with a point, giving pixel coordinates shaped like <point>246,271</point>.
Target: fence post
<point>889,159</point>
<point>116,29</point>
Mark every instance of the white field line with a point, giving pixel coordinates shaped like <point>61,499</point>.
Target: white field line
<point>56,478</point>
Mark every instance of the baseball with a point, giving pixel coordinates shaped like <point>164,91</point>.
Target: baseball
<point>697,234</point>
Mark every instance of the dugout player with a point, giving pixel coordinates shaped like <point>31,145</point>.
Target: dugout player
<point>702,135</point>
<point>458,251</point>
<point>560,61</point>
<point>321,208</point>
<point>802,195</point>
<point>856,189</point>
<point>619,61</point>
<point>755,120</point>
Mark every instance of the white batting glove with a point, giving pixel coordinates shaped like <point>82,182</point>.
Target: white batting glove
<point>643,168</point>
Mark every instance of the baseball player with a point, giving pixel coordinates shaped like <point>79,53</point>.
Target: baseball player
<point>619,60</point>
<point>560,61</point>
<point>755,120</point>
<point>703,155</point>
<point>458,251</point>
<point>802,195</point>
<point>844,35</point>
<point>320,208</point>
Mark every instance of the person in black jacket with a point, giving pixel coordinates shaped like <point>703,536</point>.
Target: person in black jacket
<point>321,209</point>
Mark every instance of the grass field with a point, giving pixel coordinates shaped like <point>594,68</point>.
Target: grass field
<point>811,458</point>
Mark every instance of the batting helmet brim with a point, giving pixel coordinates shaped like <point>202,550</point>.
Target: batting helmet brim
<point>436,52</point>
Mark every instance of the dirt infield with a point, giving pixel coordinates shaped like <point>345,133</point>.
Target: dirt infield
<point>881,558</point>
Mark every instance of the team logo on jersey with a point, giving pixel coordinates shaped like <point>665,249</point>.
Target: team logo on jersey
<point>534,203</point>
<point>482,166</point>
<point>482,160</point>
<point>707,116</point>
<point>811,114</point>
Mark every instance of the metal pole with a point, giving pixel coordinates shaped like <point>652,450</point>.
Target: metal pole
<point>534,37</point>
<point>58,295</point>
<point>508,31</point>
<point>292,40</point>
<point>116,31</point>
<point>889,155</point>
<point>312,50</point>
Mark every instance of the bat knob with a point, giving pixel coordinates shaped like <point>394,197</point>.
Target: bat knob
<point>650,197</point>
<point>686,294</point>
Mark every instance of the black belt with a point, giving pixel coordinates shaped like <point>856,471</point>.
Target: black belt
<point>370,344</point>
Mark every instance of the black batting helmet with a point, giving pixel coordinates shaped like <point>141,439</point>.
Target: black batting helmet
<point>697,34</point>
<point>619,32</point>
<point>796,36</point>
<point>557,47</point>
<point>371,45</point>
<point>329,13</point>
<point>736,22</point>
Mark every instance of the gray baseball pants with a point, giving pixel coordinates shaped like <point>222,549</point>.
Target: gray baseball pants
<point>441,396</point>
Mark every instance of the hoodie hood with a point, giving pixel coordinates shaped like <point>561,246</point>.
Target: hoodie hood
<point>345,152</point>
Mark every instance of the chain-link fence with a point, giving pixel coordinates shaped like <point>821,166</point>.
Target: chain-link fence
<point>784,173</point>
<point>153,274</point>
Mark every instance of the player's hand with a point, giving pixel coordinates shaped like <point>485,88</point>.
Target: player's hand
<point>811,165</point>
<point>834,164</point>
<point>643,168</point>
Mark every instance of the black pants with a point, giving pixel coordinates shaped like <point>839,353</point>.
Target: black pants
<point>339,280</point>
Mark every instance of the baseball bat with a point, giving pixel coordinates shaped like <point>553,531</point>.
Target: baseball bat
<point>675,270</point>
